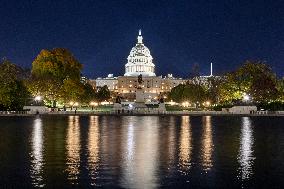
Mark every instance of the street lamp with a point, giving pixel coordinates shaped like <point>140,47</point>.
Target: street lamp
<point>76,104</point>
<point>37,99</point>
<point>207,103</point>
<point>71,104</point>
<point>93,104</point>
<point>246,97</point>
<point>186,104</point>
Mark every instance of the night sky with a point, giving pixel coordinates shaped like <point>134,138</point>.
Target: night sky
<point>179,33</point>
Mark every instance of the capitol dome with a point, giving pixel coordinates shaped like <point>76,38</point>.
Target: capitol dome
<point>139,60</point>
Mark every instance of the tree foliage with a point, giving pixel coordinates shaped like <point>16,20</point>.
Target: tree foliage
<point>89,94</point>
<point>280,88</point>
<point>13,93</point>
<point>56,76</point>
<point>57,63</point>
<point>103,94</point>
<point>188,92</point>
<point>254,78</point>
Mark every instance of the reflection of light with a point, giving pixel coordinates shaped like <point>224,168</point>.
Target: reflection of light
<point>93,148</point>
<point>185,145</point>
<point>73,149</point>
<point>140,152</point>
<point>37,154</point>
<point>245,157</point>
<point>129,150</point>
<point>207,144</point>
<point>171,141</point>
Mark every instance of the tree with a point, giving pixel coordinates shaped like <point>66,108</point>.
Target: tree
<point>213,88</point>
<point>72,90</point>
<point>280,88</point>
<point>195,71</point>
<point>55,73</point>
<point>103,94</point>
<point>188,92</point>
<point>254,78</point>
<point>177,93</point>
<point>13,93</point>
<point>58,63</point>
<point>89,94</point>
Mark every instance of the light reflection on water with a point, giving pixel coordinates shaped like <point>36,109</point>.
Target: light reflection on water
<point>185,146</point>
<point>147,152</point>
<point>171,143</point>
<point>207,144</point>
<point>245,157</point>
<point>73,147</point>
<point>36,154</point>
<point>93,148</point>
<point>141,153</point>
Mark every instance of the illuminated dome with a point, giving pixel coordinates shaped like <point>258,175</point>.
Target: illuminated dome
<point>139,60</point>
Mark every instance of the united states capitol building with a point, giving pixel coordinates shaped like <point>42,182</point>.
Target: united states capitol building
<point>139,61</point>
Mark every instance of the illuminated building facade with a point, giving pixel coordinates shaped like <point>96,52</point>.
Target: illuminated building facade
<point>139,61</point>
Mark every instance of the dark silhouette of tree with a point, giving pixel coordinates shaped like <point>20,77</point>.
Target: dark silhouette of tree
<point>13,93</point>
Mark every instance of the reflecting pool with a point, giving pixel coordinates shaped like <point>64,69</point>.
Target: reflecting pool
<point>142,152</point>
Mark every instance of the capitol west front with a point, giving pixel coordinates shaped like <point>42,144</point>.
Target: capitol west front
<point>139,61</point>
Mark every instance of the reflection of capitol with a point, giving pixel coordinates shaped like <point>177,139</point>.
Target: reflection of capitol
<point>140,153</point>
<point>73,148</point>
<point>245,157</point>
<point>136,150</point>
<point>185,147</point>
<point>93,148</point>
<point>207,144</point>
<point>37,154</point>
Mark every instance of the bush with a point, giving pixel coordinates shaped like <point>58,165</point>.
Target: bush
<point>220,106</point>
<point>272,106</point>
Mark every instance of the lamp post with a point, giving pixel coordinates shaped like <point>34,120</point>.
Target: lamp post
<point>207,103</point>
<point>93,104</point>
<point>76,104</point>
<point>37,99</point>
<point>246,98</point>
<point>71,105</point>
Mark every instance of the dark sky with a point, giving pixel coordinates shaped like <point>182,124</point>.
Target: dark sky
<point>179,33</point>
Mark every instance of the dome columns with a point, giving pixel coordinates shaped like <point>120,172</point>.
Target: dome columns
<point>140,60</point>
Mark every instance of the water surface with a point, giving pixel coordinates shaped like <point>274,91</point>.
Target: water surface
<point>142,152</point>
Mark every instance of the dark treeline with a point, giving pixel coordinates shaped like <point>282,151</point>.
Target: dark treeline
<point>55,77</point>
<point>254,82</point>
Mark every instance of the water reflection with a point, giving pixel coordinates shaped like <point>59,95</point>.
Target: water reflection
<point>171,143</point>
<point>245,156</point>
<point>140,153</point>
<point>37,154</point>
<point>73,149</point>
<point>185,147</point>
<point>93,148</point>
<point>207,144</point>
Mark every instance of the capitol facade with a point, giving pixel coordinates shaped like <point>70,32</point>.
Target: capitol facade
<point>139,61</point>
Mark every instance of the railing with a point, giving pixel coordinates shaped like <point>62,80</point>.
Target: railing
<point>139,112</point>
<point>12,112</point>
